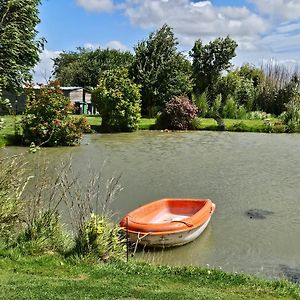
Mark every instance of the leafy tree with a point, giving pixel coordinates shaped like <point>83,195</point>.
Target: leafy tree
<point>47,120</point>
<point>19,49</point>
<point>209,61</point>
<point>85,66</point>
<point>161,71</point>
<point>117,99</point>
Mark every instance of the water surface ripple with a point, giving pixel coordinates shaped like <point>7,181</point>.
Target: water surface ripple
<point>238,171</point>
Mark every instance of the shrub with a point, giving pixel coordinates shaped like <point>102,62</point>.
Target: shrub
<point>241,112</point>
<point>291,117</point>
<point>230,108</point>
<point>177,114</point>
<point>258,115</point>
<point>47,121</point>
<point>117,99</point>
<point>101,239</point>
<point>202,103</point>
<point>216,106</point>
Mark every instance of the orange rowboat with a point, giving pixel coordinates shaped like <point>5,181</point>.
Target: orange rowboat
<point>168,222</point>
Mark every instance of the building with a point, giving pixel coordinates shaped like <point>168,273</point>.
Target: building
<point>80,97</point>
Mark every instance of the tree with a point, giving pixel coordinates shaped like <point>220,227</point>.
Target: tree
<point>161,71</point>
<point>117,99</point>
<point>85,66</point>
<point>209,61</point>
<point>19,49</point>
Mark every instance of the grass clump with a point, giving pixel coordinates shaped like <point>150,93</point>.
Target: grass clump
<point>30,219</point>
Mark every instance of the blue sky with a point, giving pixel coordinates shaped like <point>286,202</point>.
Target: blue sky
<point>264,29</point>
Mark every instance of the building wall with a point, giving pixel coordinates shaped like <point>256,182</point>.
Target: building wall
<point>76,97</point>
<point>17,102</point>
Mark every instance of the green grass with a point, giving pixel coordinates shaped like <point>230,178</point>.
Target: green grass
<point>51,277</point>
<point>149,123</point>
<point>146,123</point>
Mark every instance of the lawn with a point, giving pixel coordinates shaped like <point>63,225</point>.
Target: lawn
<point>149,123</point>
<point>51,277</point>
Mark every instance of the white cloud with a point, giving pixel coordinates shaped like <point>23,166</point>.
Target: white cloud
<point>96,5</point>
<point>279,9</point>
<point>111,45</point>
<point>43,71</point>
<point>198,20</point>
<point>116,45</point>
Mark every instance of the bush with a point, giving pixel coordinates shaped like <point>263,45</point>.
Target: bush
<point>117,99</point>
<point>100,239</point>
<point>230,108</point>
<point>291,117</point>
<point>258,115</point>
<point>216,106</point>
<point>47,121</point>
<point>241,112</point>
<point>202,103</point>
<point>177,114</point>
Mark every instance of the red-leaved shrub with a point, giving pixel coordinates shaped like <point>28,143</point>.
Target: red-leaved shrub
<point>177,114</point>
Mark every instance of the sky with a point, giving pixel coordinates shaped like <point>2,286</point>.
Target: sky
<point>265,30</point>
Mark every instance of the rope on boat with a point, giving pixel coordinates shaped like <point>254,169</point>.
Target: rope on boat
<point>138,240</point>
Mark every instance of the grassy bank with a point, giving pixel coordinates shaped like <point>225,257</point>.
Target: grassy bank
<point>149,123</point>
<point>51,277</point>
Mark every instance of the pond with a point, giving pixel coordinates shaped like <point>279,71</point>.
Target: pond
<point>240,172</point>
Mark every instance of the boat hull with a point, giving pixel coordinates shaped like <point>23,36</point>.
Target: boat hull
<point>168,222</point>
<point>165,240</point>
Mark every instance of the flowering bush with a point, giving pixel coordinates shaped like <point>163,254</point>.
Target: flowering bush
<point>177,114</point>
<point>100,239</point>
<point>47,120</point>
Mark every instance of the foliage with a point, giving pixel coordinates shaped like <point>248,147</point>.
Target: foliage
<point>279,86</point>
<point>117,99</point>
<point>43,235</point>
<point>100,239</point>
<point>291,117</point>
<point>241,112</point>
<point>240,127</point>
<point>12,184</point>
<point>19,51</point>
<point>209,61</point>
<point>202,104</point>
<point>177,114</point>
<point>216,106</point>
<point>85,66</point>
<point>47,121</point>
<point>258,115</point>
<point>161,71</point>
<point>239,85</point>
<point>230,108</point>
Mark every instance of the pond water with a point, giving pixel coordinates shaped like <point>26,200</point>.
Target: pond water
<point>238,171</point>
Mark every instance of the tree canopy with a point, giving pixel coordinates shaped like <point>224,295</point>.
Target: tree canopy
<point>117,99</point>
<point>85,66</point>
<point>19,49</point>
<point>160,69</point>
<point>210,60</point>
